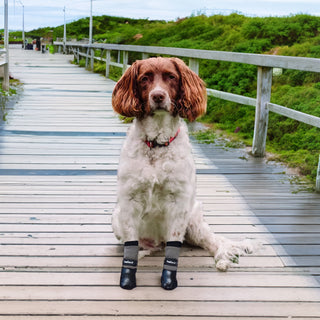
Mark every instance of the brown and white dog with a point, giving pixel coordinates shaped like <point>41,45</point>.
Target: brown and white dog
<point>156,199</point>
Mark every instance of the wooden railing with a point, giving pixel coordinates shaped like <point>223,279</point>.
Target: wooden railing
<point>264,63</point>
<point>4,53</point>
<point>4,69</point>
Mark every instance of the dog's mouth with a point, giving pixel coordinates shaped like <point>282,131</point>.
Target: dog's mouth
<point>161,110</point>
<point>162,107</point>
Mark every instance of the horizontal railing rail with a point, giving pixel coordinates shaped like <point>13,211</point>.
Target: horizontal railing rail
<point>263,60</point>
<point>265,64</point>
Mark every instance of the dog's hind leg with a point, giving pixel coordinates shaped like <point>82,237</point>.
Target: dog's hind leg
<point>224,250</point>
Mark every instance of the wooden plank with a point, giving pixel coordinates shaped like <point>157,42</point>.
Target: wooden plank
<point>101,228</point>
<point>302,261</point>
<point>140,317</point>
<point>205,279</point>
<point>102,250</point>
<point>154,308</point>
<point>116,262</point>
<point>301,249</point>
<point>43,166</point>
<point>91,218</point>
<point>71,128</point>
<point>195,294</point>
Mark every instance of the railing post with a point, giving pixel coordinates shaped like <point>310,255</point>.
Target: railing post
<point>108,59</point>
<point>145,56</point>
<point>78,55</point>
<point>125,61</point>
<point>264,83</point>
<point>318,177</point>
<point>92,59</point>
<point>102,51</point>
<point>83,51</point>
<point>194,65</point>
<point>87,57</point>
<point>6,79</point>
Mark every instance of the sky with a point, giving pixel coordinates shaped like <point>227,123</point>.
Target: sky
<point>49,13</point>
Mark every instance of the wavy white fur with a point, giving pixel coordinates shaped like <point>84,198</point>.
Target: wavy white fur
<point>157,188</point>
<point>156,198</point>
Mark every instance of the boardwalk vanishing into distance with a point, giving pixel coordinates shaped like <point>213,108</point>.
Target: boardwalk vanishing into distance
<point>59,259</point>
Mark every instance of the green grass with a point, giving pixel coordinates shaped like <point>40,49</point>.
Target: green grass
<point>205,136</point>
<point>7,97</point>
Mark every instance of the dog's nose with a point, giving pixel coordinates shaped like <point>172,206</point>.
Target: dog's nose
<point>158,96</point>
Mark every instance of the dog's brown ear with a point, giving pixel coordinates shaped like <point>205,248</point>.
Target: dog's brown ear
<point>125,96</point>
<point>192,100</point>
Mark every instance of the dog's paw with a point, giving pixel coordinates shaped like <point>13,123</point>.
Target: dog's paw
<point>128,278</point>
<point>169,279</point>
<point>222,265</point>
<point>229,252</point>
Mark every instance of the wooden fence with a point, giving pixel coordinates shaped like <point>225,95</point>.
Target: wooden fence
<point>264,63</point>
<point>4,69</point>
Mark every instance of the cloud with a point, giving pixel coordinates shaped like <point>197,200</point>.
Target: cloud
<point>49,13</point>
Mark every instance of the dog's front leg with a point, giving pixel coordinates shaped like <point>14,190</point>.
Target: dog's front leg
<point>125,229</point>
<point>170,266</point>
<point>176,225</point>
<point>129,265</point>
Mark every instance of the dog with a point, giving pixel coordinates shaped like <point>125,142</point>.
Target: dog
<point>156,196</point>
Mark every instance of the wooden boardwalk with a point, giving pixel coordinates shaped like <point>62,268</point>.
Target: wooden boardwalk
<point>59,151</point>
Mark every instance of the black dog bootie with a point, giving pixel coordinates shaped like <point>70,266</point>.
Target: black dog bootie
<point>170,265</point>
<point>169,279</point>
<point>128,278</point>
<point>129,265</point>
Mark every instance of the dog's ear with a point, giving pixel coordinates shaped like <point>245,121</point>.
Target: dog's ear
<point>192,98</point>
<point>125,96</point>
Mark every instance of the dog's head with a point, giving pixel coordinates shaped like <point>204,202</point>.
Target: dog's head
<point>160,84</point>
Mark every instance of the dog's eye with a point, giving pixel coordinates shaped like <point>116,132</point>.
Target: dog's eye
<point>144,79</point>
<point>171,76</point>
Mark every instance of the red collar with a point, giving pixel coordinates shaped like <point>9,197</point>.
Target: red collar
<point>154,143</point>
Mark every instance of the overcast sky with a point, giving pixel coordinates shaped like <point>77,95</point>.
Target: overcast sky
<point>49,13</point>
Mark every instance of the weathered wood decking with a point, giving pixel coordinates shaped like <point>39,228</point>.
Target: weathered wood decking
<point>59,151</point>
